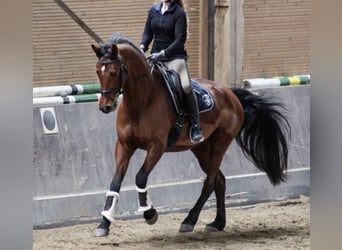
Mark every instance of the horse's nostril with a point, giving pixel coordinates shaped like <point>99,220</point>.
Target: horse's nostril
<point>106,109</point>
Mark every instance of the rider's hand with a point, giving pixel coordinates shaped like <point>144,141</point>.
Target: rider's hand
<point>142,49</point>
<point>155,57</point>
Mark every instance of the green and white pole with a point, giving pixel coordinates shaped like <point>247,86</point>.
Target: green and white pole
<point>69,99</point>
<point>64,90</point>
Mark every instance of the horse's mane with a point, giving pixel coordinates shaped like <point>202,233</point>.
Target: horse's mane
<point>119,38</point>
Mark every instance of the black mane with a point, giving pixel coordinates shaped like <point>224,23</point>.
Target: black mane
<point>119,38</point>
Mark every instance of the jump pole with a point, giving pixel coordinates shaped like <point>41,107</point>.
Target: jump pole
<point>64,90</point>
<point>276,81</point>
<point>69,99</point>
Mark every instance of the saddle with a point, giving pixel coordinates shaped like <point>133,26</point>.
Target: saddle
<point>172,81</point>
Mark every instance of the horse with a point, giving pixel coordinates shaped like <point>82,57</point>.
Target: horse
<point>146,115</point>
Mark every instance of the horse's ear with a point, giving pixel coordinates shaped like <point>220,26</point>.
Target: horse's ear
<point>115,50</point>
<point>97,50</point>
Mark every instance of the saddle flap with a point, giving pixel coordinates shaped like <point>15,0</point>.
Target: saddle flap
<point>172,80</point>
<point>173,84</point>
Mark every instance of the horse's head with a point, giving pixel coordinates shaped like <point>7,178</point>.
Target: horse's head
<point>111,73</point>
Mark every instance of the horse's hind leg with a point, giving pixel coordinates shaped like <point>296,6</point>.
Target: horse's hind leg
<point>189,222</point>
<point>209,156</point>
<point>220,220</point>
<point>220,189</point>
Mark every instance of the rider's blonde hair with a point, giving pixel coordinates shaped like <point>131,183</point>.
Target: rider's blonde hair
<point>179,2</point>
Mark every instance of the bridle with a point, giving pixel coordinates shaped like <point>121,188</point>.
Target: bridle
<point>119,89</point>
<point>123,73</point>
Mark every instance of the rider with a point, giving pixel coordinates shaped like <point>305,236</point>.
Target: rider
<point>167,24</point>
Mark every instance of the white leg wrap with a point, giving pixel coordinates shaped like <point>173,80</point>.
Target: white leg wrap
<point>141,190</point>
<point>148,201</point>
<point>145,208</point>
<point>109,214</point>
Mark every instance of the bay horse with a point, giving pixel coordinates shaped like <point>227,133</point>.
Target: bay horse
<point>146,115</point>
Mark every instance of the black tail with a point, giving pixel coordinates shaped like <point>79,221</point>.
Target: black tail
<point>263,137</point>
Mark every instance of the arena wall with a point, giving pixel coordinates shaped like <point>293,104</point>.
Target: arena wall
<point>74,163</point>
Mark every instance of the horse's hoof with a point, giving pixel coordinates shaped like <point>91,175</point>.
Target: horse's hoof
<point>186,228</point>
<point>153,220</point>
<point>101,232</point>
<point>151,216</point>
<point>213,228</point>
<point>210,228</point>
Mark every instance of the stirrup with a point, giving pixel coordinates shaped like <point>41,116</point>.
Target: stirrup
<point>196,136</point>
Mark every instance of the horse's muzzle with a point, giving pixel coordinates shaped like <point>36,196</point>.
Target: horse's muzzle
<point>107,109</point>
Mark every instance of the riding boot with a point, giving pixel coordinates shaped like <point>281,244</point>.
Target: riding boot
<point>195,131</point>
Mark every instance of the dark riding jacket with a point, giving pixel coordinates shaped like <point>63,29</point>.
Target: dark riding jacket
<point>169,31</point>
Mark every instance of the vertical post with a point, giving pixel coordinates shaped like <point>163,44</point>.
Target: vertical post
<point>239,42</point>
<point>211,35</point>
<point>222,42</point>
<point>232,43</point>
<point>204,39</point>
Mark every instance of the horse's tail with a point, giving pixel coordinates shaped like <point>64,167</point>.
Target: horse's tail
<point>263,136</point>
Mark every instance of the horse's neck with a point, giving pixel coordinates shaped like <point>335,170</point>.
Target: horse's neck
<point>141,86</point>
<point>135,62</point>
<point>142,93</point>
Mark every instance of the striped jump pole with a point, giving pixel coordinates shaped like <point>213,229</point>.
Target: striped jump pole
<point>276,81</point>
<point>69,99</point>
<point>65,90</point>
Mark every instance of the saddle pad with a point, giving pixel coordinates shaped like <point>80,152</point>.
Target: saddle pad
<point>205,100</point>
<point>204,97</point>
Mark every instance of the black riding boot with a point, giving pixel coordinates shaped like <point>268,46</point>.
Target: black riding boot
<point>195,130</point>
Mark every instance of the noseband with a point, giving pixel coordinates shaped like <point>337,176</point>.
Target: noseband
<point>119,89</point>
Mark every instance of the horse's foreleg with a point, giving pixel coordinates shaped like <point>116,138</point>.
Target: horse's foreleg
<point>154,153</point>
<point>145,204</point>
<point>107,214</point>
<point>122,156</point>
